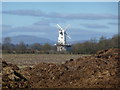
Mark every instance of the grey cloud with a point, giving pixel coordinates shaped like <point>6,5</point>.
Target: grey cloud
<point>40,31</point>
<point>113,23</point>
<point>52,32</point>
<point>84,16</point>
<point>42,23</point>
<point>5,26</point>
<point>94,26</point>
<point>85,34</point>
<point>25,12</point>
<point>47,22</point>
<point>33,29</point>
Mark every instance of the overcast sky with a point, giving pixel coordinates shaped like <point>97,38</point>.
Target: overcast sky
<point>87,19</point>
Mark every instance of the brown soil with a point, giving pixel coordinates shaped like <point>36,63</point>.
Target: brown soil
<point>11,78</point>
<point>97,71</point>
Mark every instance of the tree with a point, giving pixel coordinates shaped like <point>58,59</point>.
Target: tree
<point>114,42</point>
<point>46,47</point>
<point>36,46</point>
<point>88,47</point>
<point>7,40</point>
<point>103,43</point>
<point>102,38</point>
<point>7,48</point>
<point>21,47</point>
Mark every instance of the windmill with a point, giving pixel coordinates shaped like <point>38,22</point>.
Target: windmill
<point>62,44</point>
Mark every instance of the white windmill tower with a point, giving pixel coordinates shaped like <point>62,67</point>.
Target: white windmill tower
<point>62,43</point>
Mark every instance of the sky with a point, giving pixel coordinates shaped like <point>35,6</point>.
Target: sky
<point>87,19</point>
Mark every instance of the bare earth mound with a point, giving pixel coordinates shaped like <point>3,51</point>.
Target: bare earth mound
<point>97,71</point>
<point>11,78</point>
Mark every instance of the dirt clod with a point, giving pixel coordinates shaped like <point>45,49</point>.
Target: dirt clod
<point>96,71</point>
<point>11,78</point>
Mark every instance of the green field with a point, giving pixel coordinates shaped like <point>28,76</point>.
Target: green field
<point>32,59</point>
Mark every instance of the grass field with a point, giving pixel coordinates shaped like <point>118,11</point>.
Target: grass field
<point>32,59</point>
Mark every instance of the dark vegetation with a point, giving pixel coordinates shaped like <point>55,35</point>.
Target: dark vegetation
<point>88,47</point>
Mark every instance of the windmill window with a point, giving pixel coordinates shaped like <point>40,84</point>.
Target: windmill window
<point>61,33</point>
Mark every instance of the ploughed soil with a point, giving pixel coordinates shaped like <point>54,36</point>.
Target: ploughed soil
<point>101,70</point>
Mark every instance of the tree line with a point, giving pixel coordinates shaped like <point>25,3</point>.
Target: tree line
<point>92,46</point>
<point>87,47</point>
